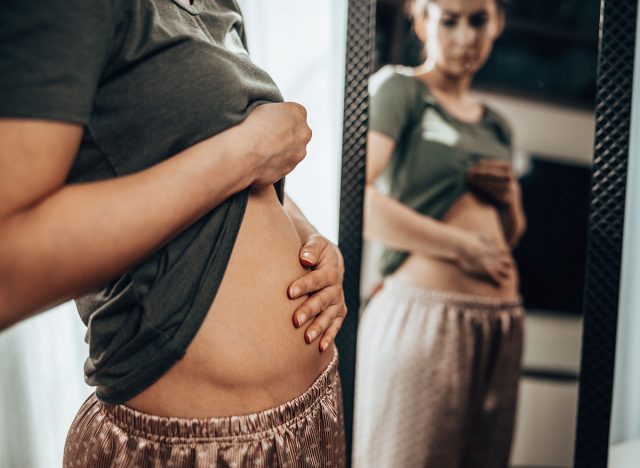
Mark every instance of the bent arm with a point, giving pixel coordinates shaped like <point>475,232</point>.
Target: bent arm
<point>515,218</point>
<point>395,224</point>
<point>302,226</point>
<point>58,241</point>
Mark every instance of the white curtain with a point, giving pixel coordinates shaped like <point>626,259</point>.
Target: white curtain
<point>41,387</point>
<point>301,43</point>
<point>625,418</point>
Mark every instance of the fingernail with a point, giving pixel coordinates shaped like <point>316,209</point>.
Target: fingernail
<point>294,292</point>
<point>308,256</point>
<point>301,319</point>
<point>324,345</point>
<point>311,336</point>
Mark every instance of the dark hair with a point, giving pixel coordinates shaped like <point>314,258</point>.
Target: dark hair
<point>411,5</point>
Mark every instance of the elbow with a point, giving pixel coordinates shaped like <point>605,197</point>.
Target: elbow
<point>367,216</point>
<point>9,306</point>
<point>5,301</point>
<point>517,235</point>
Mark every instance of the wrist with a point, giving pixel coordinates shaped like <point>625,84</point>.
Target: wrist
<point>241,159</point>
<point>458,244</point>
<point>306,232</point>
<point>302,226</point>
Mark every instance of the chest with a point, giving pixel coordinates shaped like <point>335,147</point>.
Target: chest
<point>177,74</point>
<point>435,146</point>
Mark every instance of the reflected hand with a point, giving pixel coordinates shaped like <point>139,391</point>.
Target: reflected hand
<point>484,257</point>
<point>495,179</point>
<point>326,305</point>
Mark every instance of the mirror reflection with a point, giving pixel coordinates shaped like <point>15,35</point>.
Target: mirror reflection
<point>478,167</point>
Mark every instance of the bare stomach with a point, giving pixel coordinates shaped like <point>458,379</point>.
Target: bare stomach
<point>473,215</point>
<point>247,356</point>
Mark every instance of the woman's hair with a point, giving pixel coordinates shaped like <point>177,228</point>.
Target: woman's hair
<point>413,7</point>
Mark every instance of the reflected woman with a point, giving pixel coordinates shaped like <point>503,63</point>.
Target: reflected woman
<point>439,344</point>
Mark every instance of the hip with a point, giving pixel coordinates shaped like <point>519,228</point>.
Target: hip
<point>305,431</point>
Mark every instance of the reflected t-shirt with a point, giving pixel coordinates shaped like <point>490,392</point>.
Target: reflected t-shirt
<point>433,149</point>
<point>147,79</point>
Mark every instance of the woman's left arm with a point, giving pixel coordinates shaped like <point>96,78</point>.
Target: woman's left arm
<point>515,218</point>
<point>325,307</point>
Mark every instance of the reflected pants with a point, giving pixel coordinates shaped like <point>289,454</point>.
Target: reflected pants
<point>307,431</point>
<point>436,379</point>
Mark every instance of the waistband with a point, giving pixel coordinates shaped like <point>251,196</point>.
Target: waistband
<point>403,290</point>
<point>206,429</point>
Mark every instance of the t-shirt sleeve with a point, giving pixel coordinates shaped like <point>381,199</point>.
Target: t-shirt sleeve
<point>52,56</point>
<point>391,99</point>
<point>503,130</point>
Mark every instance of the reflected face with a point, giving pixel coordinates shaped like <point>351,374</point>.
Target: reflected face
<point>459,34</point>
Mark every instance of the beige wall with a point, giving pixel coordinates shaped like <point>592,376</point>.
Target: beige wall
<point>566,134</point>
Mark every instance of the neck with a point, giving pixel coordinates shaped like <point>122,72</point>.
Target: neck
<point>454,86</point>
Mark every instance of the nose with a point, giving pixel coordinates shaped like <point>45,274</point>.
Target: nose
<point>465,34</point>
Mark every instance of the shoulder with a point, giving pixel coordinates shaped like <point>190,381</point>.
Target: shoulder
<point>393,78</point>
<point>499,123</point>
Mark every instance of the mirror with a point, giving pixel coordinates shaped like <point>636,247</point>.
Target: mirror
<point>479,159</point>
<point>624,438</point>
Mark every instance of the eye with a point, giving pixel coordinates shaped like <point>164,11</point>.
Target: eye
<point>449,22</point>
<point>478,20</point>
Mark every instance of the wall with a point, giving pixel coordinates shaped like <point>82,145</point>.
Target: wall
<point>625,415</point>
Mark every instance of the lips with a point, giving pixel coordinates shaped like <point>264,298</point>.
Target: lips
<point>465,58</point>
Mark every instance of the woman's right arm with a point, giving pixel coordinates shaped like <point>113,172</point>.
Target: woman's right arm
<point>395,224</point>
<point>59,241</point>
<point>400,227</point>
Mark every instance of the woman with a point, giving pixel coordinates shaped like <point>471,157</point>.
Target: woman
<point>439,345</point>
<point>142,154</point>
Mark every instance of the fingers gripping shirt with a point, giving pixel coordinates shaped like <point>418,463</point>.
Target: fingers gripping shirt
<point>146,79</point>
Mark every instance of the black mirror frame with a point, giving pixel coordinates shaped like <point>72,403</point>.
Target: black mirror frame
<point>359,61</point>
<point>606,218</point>
<point>606,223</point>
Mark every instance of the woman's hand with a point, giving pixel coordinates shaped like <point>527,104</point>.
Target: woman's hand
<point>496,180</point>
<point>484,257</point>
<point>326,304</point>
<point>275,137</point>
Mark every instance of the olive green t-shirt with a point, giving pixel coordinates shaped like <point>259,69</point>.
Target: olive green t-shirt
<point>433,149</point>
<point>146,79</point>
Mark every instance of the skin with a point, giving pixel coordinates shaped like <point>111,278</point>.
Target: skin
<point>59,241</point>
<point>468,250</point>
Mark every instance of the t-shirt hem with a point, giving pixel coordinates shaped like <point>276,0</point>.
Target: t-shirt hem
<point>152,374</point>
<point>177,347</point>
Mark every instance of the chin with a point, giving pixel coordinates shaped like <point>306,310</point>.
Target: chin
<point>459,71</point>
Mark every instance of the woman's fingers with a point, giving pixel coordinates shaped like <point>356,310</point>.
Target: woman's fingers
<point>499,274</point>
<point>490,178</point>
<point>494,276</point>
<point>332,331</point>
<point>314,281</point>
<point>491,170</point>
<point>504,271</point>
<point>494,165</point>
<point>316,304</point>
<point>322,323</point>
<point>311,250</point>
